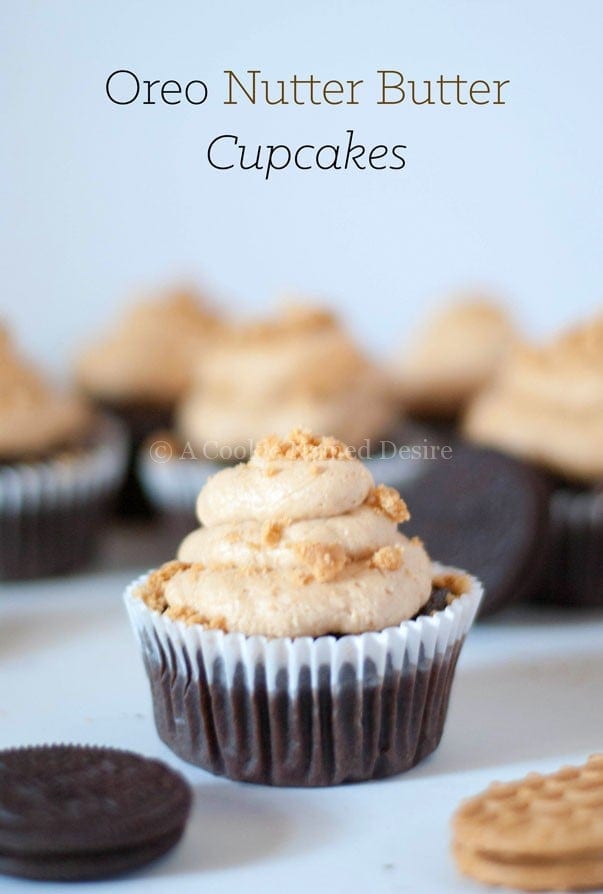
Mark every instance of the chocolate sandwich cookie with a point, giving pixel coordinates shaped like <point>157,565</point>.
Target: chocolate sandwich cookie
<point>74,812</point>
<point>481,510</point>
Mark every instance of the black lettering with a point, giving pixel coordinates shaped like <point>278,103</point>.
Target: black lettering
<point>377,152</point>
<point>197,102</point>
<point>108,87</point>
<point>214,142</point>
<point>353,153</point>
<point>400,158</point>
<point>168,91</point>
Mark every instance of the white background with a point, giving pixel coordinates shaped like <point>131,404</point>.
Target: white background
<point>98,200</point>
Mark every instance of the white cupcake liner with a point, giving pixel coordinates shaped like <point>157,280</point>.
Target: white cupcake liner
<point>50,510</point>
<point>302,711</point>
<point>69,477</point>
<point>574,569</point>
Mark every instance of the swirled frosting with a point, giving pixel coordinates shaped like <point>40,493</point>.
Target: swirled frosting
<point>547,404</point>
<point>296,542</point>
<point>300,368</point>
<point>456,354</point>
<point>150,354</point>
<point>34,417</point>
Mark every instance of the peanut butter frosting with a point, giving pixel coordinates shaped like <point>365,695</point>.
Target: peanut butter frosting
<point>455,355</point>
<point>34,417</point>
<point>298,541</point>
<point>150,354</point>
<point>300,368</point>
<point>547,404</point>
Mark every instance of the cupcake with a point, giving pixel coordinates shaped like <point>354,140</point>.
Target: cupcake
<point>60,465</point>
<point>299,638</point>
<point>457,352</point>
<point>546,406</point>
<point>299,368</point>
<point>142,367</point>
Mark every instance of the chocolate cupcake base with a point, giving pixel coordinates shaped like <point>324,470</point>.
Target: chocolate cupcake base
<point>310,738</point>
<point>53,540</point>
<point>302,712</point>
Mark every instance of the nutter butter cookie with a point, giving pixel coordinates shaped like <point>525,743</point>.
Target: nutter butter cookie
<point>540,833</point>
<point>297,616</point>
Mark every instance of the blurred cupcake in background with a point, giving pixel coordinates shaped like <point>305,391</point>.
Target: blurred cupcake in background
<point>143,366</point>
<point>299,367</point>
<point>546,406</point>
<point>454,354</point>
<point>60,464</point>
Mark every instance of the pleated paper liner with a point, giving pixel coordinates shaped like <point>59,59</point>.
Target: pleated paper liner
<point>303,711</point>
<point>51,511</point>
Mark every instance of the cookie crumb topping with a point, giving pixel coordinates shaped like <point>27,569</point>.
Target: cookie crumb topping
<point>388,501</point>
<point>388,558</point>
<point>190,616</point>
<point>457,584</point>
<point>325,560</point>
<point>152,590</point>
<point>272,532</point>
<point>301,444</point>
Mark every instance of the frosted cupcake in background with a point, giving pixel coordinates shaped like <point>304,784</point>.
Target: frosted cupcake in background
<point>546,406</point>
<point>300,638</point>
<point>300,367</point>
<point>60,464</point>
<point>142,366</point>
<point>455,354</point>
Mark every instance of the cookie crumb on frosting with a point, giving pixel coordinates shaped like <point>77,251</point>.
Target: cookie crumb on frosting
<point>325,560</point>
<point>152,590</point>
<point>301,444</point>
<point>388,501</point>
<point>190,616</point>
<point>388,558</point>
<point>457,584</point>
<point>271,532</point>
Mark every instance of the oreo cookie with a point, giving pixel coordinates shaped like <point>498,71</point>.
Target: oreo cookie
<point>484,512</point>
<point>73,812</point>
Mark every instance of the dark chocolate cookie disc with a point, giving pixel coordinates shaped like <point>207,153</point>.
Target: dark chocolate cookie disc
<point>485,513</point>
<point>71,812</point>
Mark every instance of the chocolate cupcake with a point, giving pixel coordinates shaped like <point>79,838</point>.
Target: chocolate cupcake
<point>547,407</point>
<point>60,465</point>
<point>299,638</point>
<point>299,368</point>
<point>455,355</point>
<point>142,367</point>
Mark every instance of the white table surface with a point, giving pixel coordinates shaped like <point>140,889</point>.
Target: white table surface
<point>527,696</point>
